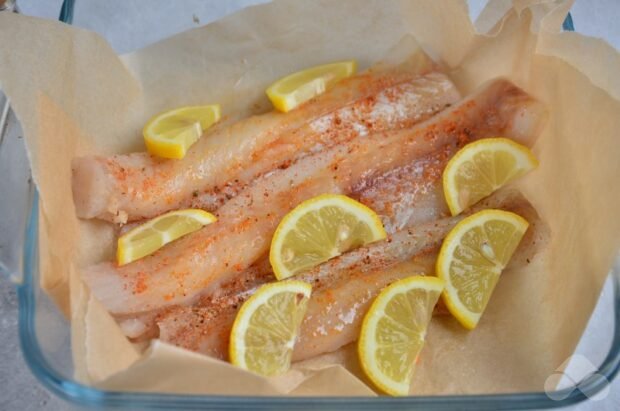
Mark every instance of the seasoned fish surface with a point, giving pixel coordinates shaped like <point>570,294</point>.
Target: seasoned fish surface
<point>343,288</point>
<point>200,262</point>
<point>223,162</point>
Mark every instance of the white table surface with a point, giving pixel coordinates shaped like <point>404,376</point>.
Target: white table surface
<point>115,21</point>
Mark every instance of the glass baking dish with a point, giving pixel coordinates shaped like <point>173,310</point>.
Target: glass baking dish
<point>45,334</point>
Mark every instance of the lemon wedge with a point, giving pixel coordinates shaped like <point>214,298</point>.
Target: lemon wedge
<point>172,133</point>
<point>154,234</point>
<point>265,329</point>
<point>297,88</point>
<point>472,258</point>
<point>481,167</point>
<point>394,329</point>
<point>319,229</point>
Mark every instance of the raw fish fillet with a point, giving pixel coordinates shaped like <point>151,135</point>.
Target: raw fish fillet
<point>343,287</point>
<point>200,262</point>
<point>414,187</point>
<point>223,162</point>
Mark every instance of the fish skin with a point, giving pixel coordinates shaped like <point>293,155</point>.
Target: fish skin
<point>198,263</point>
<point>129,187</point>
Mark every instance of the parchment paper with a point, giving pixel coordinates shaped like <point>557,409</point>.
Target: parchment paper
<point>74,96</point>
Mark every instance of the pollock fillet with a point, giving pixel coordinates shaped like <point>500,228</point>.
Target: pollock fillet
<point>415,197</point>
<point>179,272</point>
<point>223,162</point>
<point>343,287</point>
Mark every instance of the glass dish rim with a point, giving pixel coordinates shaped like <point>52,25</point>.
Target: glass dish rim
<point>80,394</point>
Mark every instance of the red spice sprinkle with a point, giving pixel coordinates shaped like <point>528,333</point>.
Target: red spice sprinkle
<point>140,285</point>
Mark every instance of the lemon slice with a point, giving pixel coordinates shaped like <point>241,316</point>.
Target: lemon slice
<point>472,258</point>
<point>265,329</point>
<point>297,88</point>
<point>154,234</point>
<point>394,329</point>
<point>319,229</point>
<point>172,133</point>
<point>481,167</point>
